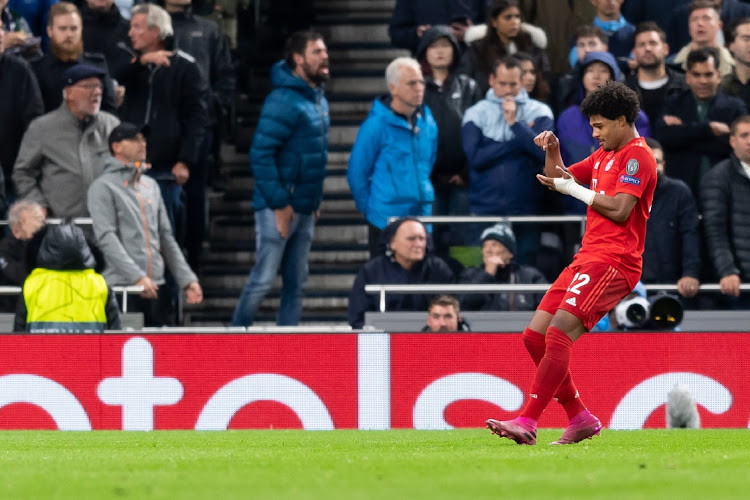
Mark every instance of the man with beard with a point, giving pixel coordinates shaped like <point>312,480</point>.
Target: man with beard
<point>105,31</point>
<point>737,83</point>
<point>288,157</point>
<point>651,79</point>
<point>444,315</point>
<point>66,50</point>
<point>63,151</point>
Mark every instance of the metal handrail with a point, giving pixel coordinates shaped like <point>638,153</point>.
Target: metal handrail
<point>125,290</point>
<point>78,221</point>
<point>521,219</point>
<point>382,290</point>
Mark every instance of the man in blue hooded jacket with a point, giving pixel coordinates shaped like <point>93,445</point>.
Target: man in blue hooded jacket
<point>288,157</point>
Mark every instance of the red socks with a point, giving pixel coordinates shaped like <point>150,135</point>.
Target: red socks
<point>567,394</point>
<point>552,371</point>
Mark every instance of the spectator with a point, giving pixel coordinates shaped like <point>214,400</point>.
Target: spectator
<point>132,229</point>
<point>288,158</point>
<point>63,151</point>
<point>694,129</point>
<point>35,13</point>
<point>404,262</point>
<point>202,39</point>
<point>725,197</point>
<point>532,79</point>
<point>619,31</point>
<point>105,31</point>
<point>736,83</point>
<point>589,38</point>
<point>25,218</point>
<point>21,103</point>
<point>448,96</point>
<point>444,315</point>
<point>652,80</point>
<point>65,51</point>
<point>395,150</point>
<point>503,34</point>
<point>672,249</point>
<point>498,139</point>
<point>18,37</point>
<point>499,267</point>
<point>63,267</point>
<point>166,91</point>
<point>678,29</point>
<point>705,27</point>
<point>411,18</point>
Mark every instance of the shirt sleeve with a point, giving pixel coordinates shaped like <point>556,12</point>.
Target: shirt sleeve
<point>582,170</point>
<point>638,168</point>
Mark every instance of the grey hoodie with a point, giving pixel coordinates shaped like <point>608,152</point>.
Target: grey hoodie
<point>132,228</point>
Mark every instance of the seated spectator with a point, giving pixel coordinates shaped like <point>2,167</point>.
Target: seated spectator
<point>589,38</point>
<point>393,155</point>
<point>738,41</point>
<point>672,250</point>
<point>25,218</point>
<point>694,129</point>
<point>678,29</point>
<point>411,18</point>
<point>63,151</point>
<point>619,31</point>
<point>444,315</point>
<point>503,34</point>
<point>133,231</point>
<point>725,198</point>
<point>499,267</point>
<point>448,95</point>
<point>705,28</point>
<point>19,40</point>
<point>405,261</point>
<point>652,80</point>
<point>63,292</point>
<point>532,79</point>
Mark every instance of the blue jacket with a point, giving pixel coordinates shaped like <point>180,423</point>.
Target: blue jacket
<point>503,161</point>
<point>390,165</point>
<point>290,148</point>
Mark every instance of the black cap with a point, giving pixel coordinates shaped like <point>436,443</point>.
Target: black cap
<point>126,130</point>
<point>79,72</point>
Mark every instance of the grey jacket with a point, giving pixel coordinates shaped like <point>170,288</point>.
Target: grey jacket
<point>51,170</point>
<point>132,228</point>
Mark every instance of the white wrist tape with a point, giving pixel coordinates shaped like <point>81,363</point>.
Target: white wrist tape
<point>572,188</point>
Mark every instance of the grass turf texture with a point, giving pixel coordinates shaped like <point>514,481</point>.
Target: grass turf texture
<point>380,464</point>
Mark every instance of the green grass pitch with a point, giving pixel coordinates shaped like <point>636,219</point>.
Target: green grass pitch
<point>659,464</point>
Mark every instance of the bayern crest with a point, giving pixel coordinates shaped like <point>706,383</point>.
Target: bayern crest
<point>632,167</point>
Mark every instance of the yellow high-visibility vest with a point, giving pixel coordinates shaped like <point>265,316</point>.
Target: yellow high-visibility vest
<point>65,301</point>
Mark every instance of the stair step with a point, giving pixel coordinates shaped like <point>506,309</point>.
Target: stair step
<point>333,184</point>
<point>328,206</point>
<point>370,86</point>
<point>246,258</point>
<point>329,281</point>
<point>240,232</point>
<point>357,33</point>
<point>355,5</point>
<point>308,303</point>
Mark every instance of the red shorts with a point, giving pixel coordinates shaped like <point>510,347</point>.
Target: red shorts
<point>587,291</point>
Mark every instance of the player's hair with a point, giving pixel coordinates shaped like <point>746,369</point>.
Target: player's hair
<point>704,4</point>
<point>61,9</point>
<point>612,100</point>
<point>653,143</point>
<point>591,30</point>
<point>702,55</point>
<point>297,44</point>
<point>509,62</point>
<point>736,123</point>
<point>731,33</point>
<point>445,301</point>
<point>648,26</point>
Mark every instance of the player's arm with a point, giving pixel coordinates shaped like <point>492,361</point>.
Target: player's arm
<point>552,157</point>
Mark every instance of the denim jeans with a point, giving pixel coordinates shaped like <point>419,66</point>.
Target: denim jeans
<point>450,200</point>
<point>274,254</point>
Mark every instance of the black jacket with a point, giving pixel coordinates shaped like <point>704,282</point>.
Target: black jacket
<point>49,70</point>
<point>21,102</point>
<point>675,84</point>
<point>512,274</point>
<point>408,14</point>
<point>725,197</point>
<point>64,248</point>
<point>102,32</point>
<point>172,101</point>
<point>672,248</point>
<point>202,39</point>
<point>685,144</point>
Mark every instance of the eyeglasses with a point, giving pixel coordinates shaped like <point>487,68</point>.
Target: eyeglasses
<point>89,86</point>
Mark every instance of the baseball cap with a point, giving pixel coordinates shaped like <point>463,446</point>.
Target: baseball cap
<point>502,233</point>
<point>126,130</point>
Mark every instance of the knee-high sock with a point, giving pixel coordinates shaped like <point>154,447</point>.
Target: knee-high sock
<point>550,373</point>
<point>567,394</point>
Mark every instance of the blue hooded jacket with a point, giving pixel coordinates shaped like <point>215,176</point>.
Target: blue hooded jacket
<point>390,165</point>
<point>290,149</point>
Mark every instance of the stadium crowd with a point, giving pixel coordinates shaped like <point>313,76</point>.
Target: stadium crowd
<point>116,109</point>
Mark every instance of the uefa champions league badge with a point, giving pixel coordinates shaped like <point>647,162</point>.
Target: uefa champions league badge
<point>632,167</point>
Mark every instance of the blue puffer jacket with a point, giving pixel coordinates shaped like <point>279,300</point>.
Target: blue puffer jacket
<point>290,148</point>
<point>390,165</point>
<point>503,160</point>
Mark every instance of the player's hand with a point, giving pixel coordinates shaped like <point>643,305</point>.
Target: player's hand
<point>194,293</point>
<point>549,182</point>
<point>284,217</point>
<point>672,120</point>
<point>181,173</point>
<point>509,110</point>
<point>719,128</point>
<point>730,285</point>
<point>547,140</point>
<point>687,286</point>
<point>150,288</point>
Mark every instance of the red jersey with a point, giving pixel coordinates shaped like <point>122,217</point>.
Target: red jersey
<point>630,170</point>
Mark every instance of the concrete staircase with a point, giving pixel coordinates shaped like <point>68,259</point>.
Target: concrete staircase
<point>357,37</point>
